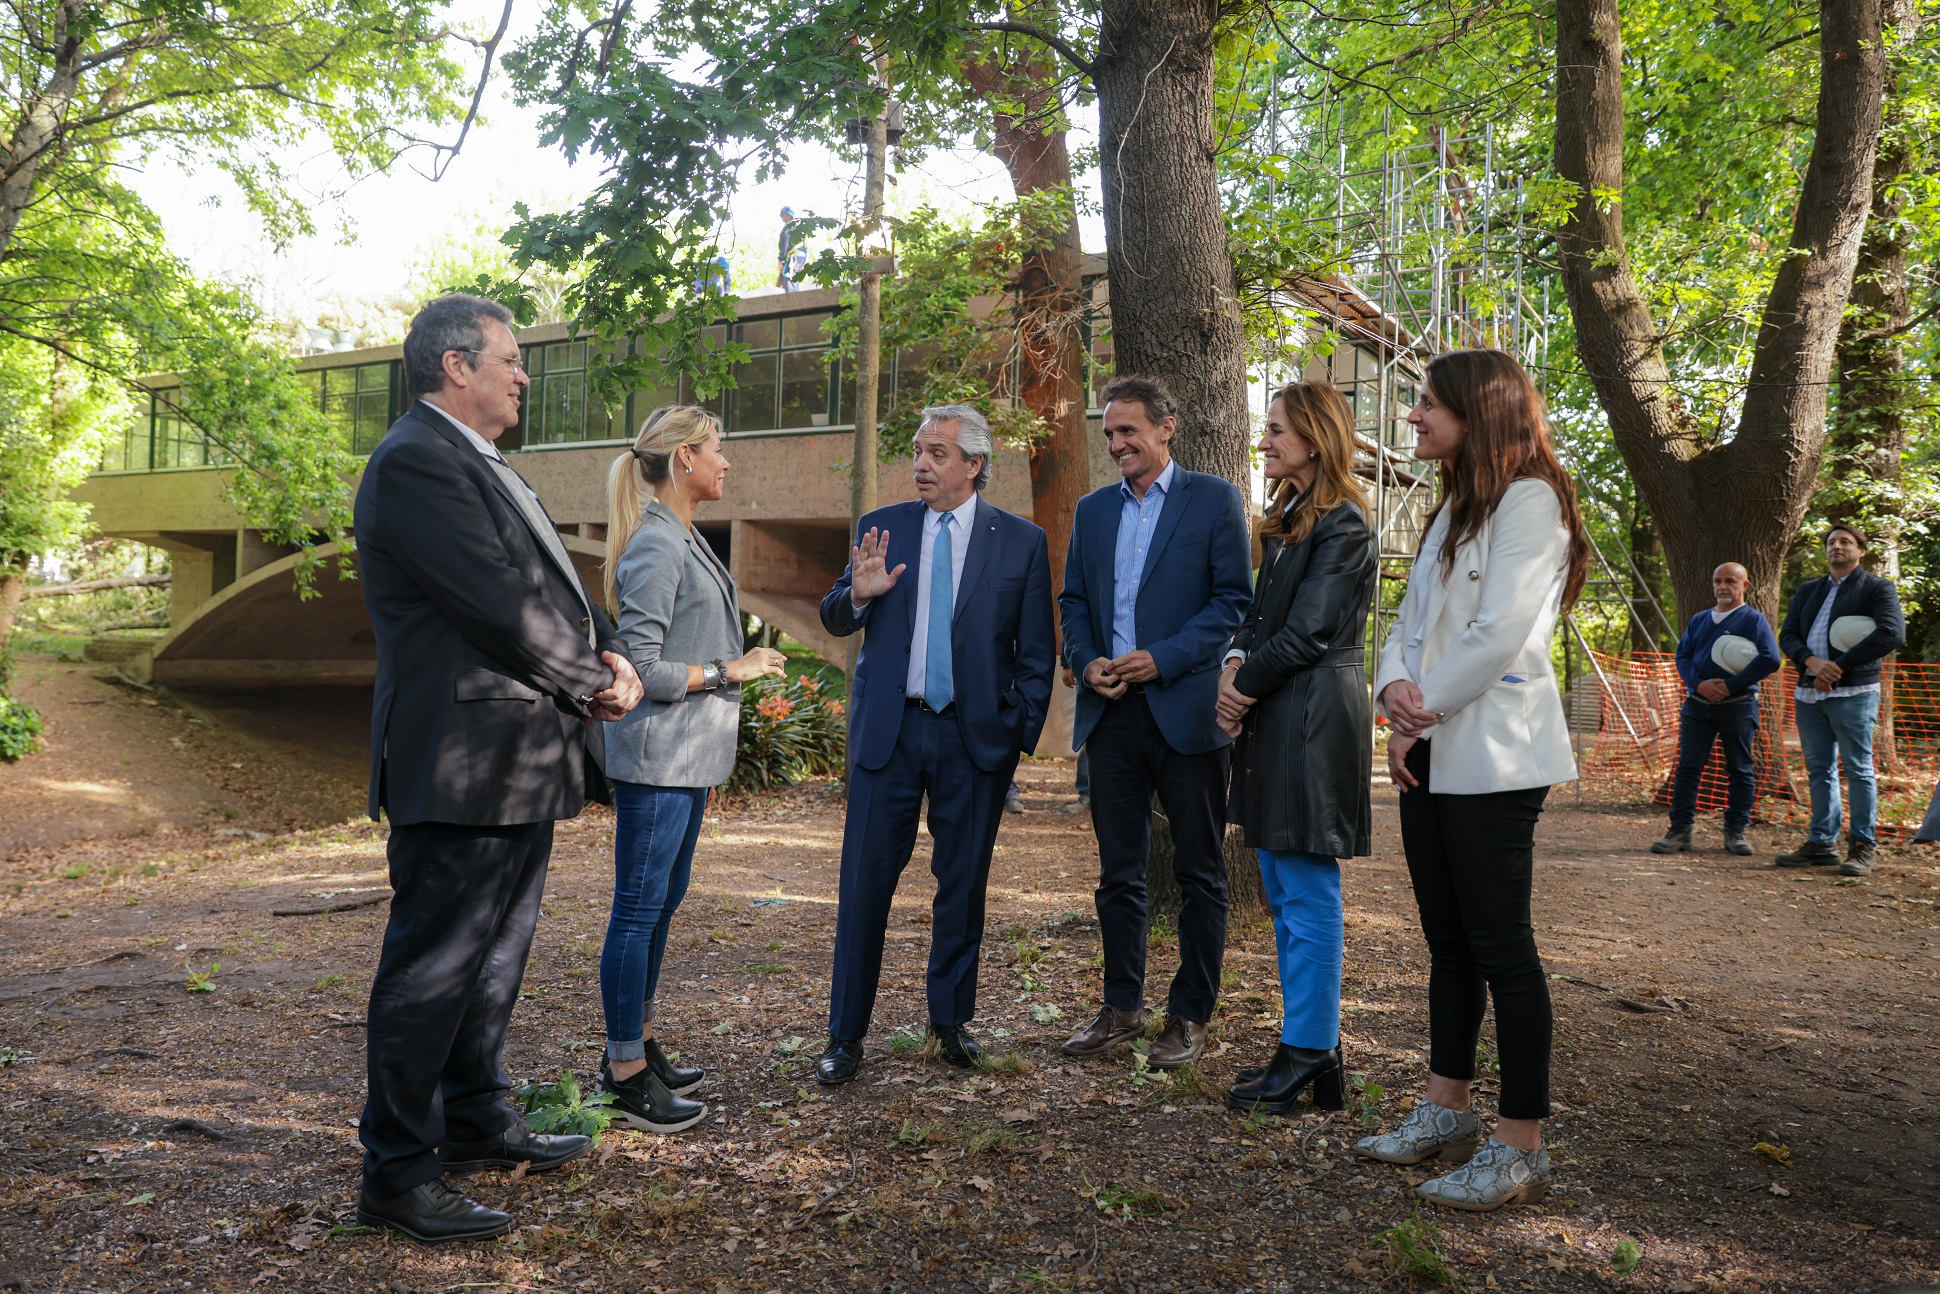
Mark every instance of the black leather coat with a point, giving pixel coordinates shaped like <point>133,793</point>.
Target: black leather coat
<point>1301,766</point>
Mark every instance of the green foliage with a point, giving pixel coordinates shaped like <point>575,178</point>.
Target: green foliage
<point>20,729</point>
<point>90,297</point>
<point>202,981</point>
<point>790,729</point>
<point>953,300</point>
<point>562,1108</point>
<point>1413,1248</point>
<point>1364,1100</point>
<point>1128,1201</point>
<point>1626,1256</point>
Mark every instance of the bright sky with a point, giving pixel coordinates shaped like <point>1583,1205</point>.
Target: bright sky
<point>370,236</point>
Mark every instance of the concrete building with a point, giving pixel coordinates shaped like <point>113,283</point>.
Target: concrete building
<point>237,621</point>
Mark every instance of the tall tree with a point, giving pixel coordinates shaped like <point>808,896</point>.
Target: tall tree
<point>1717,499</point>
<point>86,279</point>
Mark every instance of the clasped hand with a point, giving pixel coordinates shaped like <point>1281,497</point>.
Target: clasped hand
<point>625,693</point>
<point>1233,703</point>
<point>1825,674</point>
<point>1406,712</point>
<point>1111,678</point>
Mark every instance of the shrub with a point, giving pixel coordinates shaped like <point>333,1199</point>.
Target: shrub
<point>19,729</point>
<point>790,729</point>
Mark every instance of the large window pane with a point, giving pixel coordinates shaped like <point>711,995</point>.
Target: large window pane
<point>755,393</point>
<point>758,334</point>
<point>804,330</point>
<point>805,388</point>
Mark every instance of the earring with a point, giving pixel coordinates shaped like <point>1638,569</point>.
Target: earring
<point>1313,455</point>
<point>686,469</point>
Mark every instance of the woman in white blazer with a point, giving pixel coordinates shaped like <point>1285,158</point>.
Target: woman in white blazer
<point>1478,738</point>
<point>682,626</point>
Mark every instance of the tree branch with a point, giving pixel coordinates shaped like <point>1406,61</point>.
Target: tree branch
<point>1042,37</point>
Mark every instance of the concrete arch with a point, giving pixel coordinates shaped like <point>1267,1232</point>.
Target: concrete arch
<point>258,633</point>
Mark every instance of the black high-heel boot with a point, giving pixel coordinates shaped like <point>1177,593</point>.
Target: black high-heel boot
<point>678,1081</point>
<point>1293,1069</point>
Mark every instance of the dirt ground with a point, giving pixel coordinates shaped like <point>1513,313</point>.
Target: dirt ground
<point>152,1138</point>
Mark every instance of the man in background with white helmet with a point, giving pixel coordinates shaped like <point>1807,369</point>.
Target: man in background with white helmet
<point>1721,658</point>
<point>1837,631</point>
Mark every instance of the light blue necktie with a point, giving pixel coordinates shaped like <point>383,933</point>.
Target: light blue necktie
<point>939,685</point>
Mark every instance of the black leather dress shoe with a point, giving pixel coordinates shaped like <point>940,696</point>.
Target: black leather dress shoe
<point>1293,1070</point>
<point>677,1080</point>
<point>434,1213</point>
<point>959,1048</point>
<point>517,1145</point>
<point>839,1062</point>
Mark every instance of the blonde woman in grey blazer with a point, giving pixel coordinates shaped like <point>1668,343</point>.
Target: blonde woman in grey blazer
<point>682,628</point>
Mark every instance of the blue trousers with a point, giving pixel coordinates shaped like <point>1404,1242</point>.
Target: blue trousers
<point>1304,891</point>
<point>1700,723</point>
<point>966,806</point>
<point>655,831</point>
<point>1840,727</point>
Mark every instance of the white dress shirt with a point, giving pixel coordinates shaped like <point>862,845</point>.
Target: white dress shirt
<point>479,442</point>
<point>965,515</point>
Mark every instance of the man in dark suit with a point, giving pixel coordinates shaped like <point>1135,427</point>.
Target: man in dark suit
<point>1837,702</point>
<point>952,686</point>
<point>1158,579</point>
<point>493,668</point>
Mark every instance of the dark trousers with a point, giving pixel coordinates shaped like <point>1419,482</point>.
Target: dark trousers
<point>1130,762</point>
<point>1700,723</point>
<point>1471,858</point>
<point>966,806</point>
<point>465,903</point>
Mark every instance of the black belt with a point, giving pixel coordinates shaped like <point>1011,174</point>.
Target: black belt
<point>918,703</point>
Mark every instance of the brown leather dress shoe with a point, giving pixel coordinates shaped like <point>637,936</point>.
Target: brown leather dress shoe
<point>1180,1044</point>
<point>1110,1028</point>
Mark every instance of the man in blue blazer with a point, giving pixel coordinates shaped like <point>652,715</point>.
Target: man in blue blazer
<point>952,686</point>
<point>1158,579</point>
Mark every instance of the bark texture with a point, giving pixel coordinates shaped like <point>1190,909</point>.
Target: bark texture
<point>1868,432</point>
<point>1029,138</point>
<point>1174,304</point>
<point>13,587</point>
<point>1740,500</point>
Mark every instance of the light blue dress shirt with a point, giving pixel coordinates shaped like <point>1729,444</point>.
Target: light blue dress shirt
<point>1137,520</point>
<point>965,514</point>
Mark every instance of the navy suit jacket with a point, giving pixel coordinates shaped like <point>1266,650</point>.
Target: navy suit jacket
<point>1196,587</point>
<point>1001,632</point>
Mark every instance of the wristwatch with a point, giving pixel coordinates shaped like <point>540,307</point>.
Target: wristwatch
<point>713,675</point>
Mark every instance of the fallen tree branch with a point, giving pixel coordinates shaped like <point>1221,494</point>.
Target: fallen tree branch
<point>96,586</point>
<point>339,905</point>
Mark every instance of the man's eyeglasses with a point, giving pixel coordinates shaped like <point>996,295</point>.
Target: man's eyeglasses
<point>514,362</point>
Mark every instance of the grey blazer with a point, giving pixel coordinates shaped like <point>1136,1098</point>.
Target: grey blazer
<point>677,608</point>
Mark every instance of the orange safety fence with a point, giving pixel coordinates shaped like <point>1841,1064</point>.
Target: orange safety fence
<point>1627,741</point>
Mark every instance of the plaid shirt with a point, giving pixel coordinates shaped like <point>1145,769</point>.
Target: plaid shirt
<point>1818,640</point>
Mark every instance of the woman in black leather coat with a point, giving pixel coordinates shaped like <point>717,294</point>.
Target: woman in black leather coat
<point>1295,694</point>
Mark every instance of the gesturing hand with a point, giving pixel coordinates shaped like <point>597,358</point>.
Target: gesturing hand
<point>1405,709</point>
<point>759,661</point>
<point>625,692</point>
<point>869,577</point>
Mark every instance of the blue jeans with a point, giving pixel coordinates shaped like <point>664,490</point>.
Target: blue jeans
<point>1733,722</point>
<point>655,830</point>
<point>1842,726</point>
<point>1304,891</point>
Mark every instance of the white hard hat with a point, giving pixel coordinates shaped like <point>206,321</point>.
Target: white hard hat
<point>1849,631</point>
<point>1732,653</point>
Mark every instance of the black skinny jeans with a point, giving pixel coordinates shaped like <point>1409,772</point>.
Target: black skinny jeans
<point>1471,858</point>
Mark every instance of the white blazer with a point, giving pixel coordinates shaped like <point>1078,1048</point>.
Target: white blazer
<point>1481,637</point>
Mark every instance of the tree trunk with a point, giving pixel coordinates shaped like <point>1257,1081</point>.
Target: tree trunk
<point>1738,500</point>
<point>1029,137</point>
<point>1174,306</point>
<point>13,586</point>
<point>1247,886</point>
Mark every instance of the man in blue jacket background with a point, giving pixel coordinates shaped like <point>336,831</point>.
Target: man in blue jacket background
<point>1837,702</point>
<point>1720,705</point>
<point>1158,578</point>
